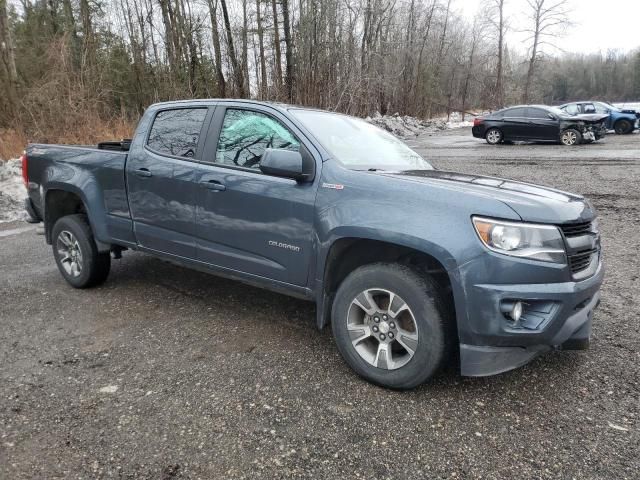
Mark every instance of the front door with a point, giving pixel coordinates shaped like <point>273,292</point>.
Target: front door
<point>543,126</point>
<point>247,221</point>
<point>160,176</point>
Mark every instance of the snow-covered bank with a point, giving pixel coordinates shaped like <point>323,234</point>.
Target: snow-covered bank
<point>404,126</point>
<point>12,191</point>
<point>629,105</point>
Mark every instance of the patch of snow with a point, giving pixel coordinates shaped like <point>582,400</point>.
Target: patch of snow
<point>12,191</point>
<point>109,389</point>
<point>629,105</point>
<point>405,126</point>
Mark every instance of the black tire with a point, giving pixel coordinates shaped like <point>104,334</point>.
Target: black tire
<point>426,307</point>
<point>95,266</point>
<point>493,136</point>
<point>570,137</point>
<point>622,127</point>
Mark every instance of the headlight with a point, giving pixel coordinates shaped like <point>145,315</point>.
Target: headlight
<point>537,242</point>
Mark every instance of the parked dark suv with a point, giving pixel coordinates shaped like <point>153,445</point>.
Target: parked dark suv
<point>538,123</point>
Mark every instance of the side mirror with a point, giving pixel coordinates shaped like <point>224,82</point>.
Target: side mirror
<point>552,116</point>
<point>282,163</point>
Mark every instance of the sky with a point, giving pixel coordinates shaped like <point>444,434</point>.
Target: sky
<point>598,25</point>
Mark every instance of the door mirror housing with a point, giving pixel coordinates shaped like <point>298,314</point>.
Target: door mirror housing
<point>552,116</point>
<point>283,163</point>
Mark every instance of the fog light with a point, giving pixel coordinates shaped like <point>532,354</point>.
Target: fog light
<point>516,311</point>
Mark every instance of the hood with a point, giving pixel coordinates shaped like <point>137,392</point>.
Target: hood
<point>533,203</point>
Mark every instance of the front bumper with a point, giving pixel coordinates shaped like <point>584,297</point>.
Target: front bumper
<point>560,316</point>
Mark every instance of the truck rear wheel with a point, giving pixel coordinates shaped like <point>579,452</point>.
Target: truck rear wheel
<point>388,323</point>
<point>76,254</point>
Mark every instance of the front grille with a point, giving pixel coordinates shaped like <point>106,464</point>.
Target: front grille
<point>581,260</point>
<point>582,245</point>
<point>575,229</point>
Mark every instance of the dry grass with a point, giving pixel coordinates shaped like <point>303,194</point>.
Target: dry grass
<point>12,143</point>
<point>87,131</point>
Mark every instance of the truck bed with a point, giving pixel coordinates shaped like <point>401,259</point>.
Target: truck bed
<point>95,173</point>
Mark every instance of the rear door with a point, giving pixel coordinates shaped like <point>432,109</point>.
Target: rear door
<point>541,124</point>
<point>160,179</point>
<point>247,221</point>
<point>515,123</point>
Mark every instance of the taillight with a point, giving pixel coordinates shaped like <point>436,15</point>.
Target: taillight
<point>477,121</point>
<point>25,175</point>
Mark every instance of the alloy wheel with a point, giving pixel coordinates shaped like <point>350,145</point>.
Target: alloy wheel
<point>569,138</point>
<point>70,253</point>
<point>382,329</point>
<point>493,136</point>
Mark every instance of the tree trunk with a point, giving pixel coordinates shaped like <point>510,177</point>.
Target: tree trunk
<point>237,68</point>
<point>217,51</point>
<point>288,41</point>
<point>245,54</point>
<point>263,63</point>
<point>276,42</point>
<point>8,58</point>
<point>499,88</point>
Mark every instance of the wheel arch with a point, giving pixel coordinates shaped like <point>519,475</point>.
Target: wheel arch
<point>62,200</point>
<point>347,253</point>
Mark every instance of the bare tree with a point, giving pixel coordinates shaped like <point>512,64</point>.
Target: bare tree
<point>8,57</point>
<point>237,67</point>
<point>276,44</point>
<point>496,18</point>
<point>217,50</point>
<point>547,17</point>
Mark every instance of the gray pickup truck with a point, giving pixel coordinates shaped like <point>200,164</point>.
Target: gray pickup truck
<point>413,267</point>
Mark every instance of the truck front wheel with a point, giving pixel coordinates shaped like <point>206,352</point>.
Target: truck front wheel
<point>76,254</point>
<point>388,323</point>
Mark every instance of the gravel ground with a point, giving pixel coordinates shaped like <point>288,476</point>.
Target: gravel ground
<point>165,372</point>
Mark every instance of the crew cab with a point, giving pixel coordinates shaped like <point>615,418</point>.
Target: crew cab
<point>538,123</point>
<point>620,120</point>
<point>413,267</point>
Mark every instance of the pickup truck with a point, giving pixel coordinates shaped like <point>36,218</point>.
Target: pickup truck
<point>413,267</point>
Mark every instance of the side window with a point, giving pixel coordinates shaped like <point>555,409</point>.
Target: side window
<point>245,135</point>
<point>600,108</point>
<point>572,109</point>
<point>537,113</point>
<point>589,108</point>
<point>176,132</point>
<point>514,112</point>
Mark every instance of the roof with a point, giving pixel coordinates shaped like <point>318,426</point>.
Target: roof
<point>192,101</point>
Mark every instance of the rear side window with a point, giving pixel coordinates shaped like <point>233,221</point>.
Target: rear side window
<point>176,132</point>
<point>515,112</point>
<point>572,109</point>
<point>246,134</point>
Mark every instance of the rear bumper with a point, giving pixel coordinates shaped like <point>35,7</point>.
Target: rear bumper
<point>31,211</point>
<point>560,316</point>
<point>477,132</point>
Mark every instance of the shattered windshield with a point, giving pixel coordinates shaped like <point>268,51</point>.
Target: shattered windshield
<point>358,144</point>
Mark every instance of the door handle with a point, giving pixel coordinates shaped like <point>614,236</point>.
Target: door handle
<point>143,172</point>
<point>213,185</point>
